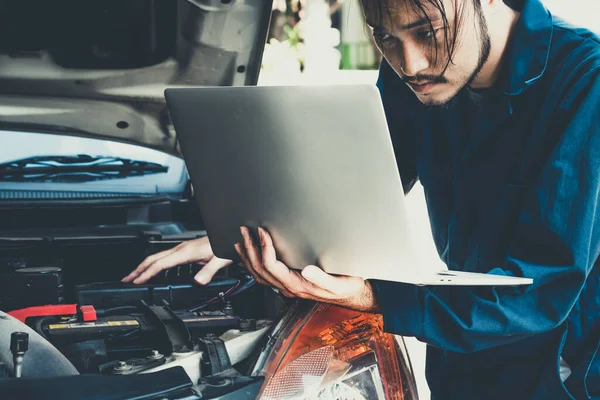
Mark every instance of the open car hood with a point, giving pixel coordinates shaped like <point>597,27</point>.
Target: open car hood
<point>99,69</point>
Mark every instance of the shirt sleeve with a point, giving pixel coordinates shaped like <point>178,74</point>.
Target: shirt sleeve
<point>556,242</point>
<point>396,100</point>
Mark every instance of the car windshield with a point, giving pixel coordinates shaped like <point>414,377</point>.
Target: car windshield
<point>42,162</point>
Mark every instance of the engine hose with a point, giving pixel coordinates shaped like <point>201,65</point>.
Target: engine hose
<point>122,309</point>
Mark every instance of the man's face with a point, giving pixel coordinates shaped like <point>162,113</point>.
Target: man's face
<point>406,41</point>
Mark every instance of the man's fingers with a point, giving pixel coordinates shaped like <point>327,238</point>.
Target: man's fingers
<point>247,264</point>
<point>251,250</point>
<point>205,275</point>
<point>152,270</point>
<point>180,255</point>
<point>254,257</point>
<point>287,278</point>
<point>196,250</point>
<point>148,261</point>
<point>263,277</point>
<point>293,279</point>
<point>269,256</point>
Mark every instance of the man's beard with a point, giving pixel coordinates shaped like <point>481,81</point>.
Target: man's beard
<point>484,54</point>
<point>484,49</point>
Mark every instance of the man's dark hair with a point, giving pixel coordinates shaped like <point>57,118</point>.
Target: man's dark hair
<point>381,8</point>
<point>516,5</point>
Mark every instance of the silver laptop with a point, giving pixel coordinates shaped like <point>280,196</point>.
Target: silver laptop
<point>314,166</point>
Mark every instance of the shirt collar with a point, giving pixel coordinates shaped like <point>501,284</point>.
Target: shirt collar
<point>528,51</point>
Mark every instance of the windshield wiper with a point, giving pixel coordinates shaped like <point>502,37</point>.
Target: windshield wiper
<point>76,168</point>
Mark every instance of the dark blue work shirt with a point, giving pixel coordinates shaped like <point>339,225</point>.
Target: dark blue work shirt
<point>512,182</point>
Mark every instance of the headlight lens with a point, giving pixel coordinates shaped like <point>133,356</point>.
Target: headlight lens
<point>320,351</point>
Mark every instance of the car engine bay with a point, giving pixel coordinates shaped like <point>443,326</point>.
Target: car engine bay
<point>66,288</point>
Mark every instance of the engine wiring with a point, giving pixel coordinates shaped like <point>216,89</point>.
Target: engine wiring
<point>235,290</point>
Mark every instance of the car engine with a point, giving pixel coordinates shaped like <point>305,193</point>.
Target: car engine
<point>67,292</point>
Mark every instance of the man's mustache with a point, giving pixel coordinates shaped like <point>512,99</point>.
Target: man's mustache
<point>423,79</point>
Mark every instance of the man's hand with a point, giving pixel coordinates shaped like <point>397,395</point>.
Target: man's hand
<point>193,251</point>
<point>312,283</point>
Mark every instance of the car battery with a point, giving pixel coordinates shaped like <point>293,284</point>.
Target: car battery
<point>65,331</point>
<point>149,328</point>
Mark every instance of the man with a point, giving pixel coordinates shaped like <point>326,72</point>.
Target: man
<point>493,106</point>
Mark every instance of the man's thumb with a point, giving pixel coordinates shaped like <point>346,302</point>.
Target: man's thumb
<point>205,275</point>
<point>318,277</point>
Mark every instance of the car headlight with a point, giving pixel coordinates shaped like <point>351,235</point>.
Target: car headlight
<point>320,351</point>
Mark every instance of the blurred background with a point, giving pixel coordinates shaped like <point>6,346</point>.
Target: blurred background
<point>326,42</point>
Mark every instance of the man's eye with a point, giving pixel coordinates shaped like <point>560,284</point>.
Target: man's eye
<point>427,34</point>
<point>382,36</point>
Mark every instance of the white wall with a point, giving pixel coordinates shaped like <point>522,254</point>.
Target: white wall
<point>584,13</point>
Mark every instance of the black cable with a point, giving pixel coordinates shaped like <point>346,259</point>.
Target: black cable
<point>38,326</point>
<point>247,285</point>
<point>121,309</point>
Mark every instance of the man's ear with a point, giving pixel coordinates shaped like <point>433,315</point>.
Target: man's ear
<point>515,5</point>
<point>491,7</point>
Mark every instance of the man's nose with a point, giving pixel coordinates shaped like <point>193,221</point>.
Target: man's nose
<point>414,60</point>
